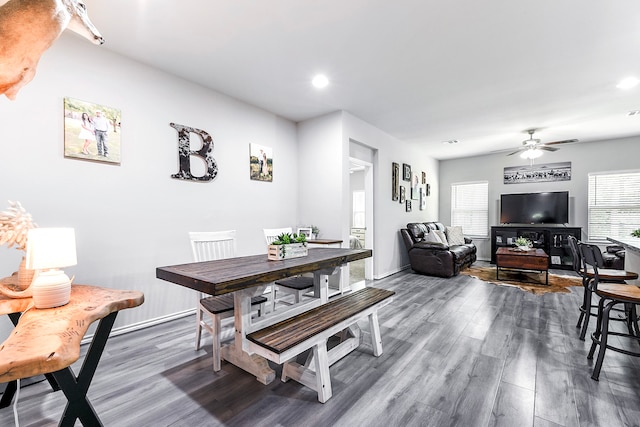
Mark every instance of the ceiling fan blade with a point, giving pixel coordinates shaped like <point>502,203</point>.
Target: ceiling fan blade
<point>544,147</point>
<point>566,141</point>
<point>515,152</point>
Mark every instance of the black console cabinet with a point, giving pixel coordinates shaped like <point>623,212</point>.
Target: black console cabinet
<point>552,239</point>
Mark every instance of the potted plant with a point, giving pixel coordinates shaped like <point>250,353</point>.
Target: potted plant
<point>635,233</point>
<point>287,245</point>
<point>523,243</point>
<point>315,231</point>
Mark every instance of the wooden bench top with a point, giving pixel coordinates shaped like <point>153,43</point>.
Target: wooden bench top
<point>291,332</point>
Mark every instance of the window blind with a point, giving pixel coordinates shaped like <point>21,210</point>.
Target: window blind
<point>470,207</point>
<point>614,204</point>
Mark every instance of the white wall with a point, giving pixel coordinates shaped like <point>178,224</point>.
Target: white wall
<point>619,154</point>
<point>132,218</point>
<point>327,196</point>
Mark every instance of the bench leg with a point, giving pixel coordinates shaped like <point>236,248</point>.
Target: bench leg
<point>320,380</point>
<point>376,338</point>
<point>323,379</point>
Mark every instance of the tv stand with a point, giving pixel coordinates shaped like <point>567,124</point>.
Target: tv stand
<point>550,238</point>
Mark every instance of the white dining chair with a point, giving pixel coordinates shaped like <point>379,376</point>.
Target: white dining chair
<point>297,285</point>
<point>209,246</point>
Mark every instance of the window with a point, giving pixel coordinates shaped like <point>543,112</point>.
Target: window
<point>358,210</point>
<point>470,207</point>
<point>614,204</point>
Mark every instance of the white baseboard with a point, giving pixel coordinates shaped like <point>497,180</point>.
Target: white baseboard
<point>142,325</point>
<point>389,273</point>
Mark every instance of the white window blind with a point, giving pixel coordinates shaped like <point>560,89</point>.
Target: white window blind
<point>614,204</point>
<point>470,207</point>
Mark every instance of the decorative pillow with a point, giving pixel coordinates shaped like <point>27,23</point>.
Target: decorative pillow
<point>432,237</point>
<point>417,230</point>
<point>441,234</point>
<point>455,236</point>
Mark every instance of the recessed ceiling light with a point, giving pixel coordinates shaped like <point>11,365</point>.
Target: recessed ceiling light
<point>451,141</point>
<point>320,81</point>
<point>628,83</point>
<point>633,113</point>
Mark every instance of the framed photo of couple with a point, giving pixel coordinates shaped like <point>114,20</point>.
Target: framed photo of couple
<point>260,163</point>
<point>92,131</point>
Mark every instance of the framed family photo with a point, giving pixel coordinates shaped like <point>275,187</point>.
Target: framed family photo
<point>260,163</point>
<point>92,131</point>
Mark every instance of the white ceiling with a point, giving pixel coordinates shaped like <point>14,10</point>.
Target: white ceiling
<point>423,71</point>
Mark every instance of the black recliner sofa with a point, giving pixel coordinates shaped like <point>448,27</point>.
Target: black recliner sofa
<point>436,259</point>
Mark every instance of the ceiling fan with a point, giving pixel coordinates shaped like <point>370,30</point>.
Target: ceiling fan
<point>532,148</point>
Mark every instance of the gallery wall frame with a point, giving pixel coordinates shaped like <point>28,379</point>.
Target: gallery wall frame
<point>408,208</point>
<point>92,131</point>
<point>423,198</point>
<point>260,162</point>
<point>424,177</point>
<point>406,172</point>
<point>415,187</point>
<point>547,172</point>
<point>403,194</point>
<point>395,181</point>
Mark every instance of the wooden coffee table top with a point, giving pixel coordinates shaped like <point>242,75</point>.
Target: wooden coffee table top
<point>535,259</point>
<point>511,251</point>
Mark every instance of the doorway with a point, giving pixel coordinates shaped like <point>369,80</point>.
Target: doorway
<point>360,218</point>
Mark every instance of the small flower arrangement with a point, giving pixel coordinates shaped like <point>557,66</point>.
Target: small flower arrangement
<point>288,238</point>
<point>287,245</point>
<point>523,242</point>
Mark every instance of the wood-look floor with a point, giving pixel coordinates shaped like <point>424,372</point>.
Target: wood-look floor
<point>456,352</point>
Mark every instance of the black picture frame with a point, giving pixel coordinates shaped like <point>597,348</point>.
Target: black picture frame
<point>408,205</point>
<point>395,181</point>
<point>406,172</point>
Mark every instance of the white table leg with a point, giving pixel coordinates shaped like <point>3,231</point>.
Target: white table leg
<point>235,352</point>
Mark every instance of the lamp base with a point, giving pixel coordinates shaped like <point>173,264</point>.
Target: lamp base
<point>51,288</point>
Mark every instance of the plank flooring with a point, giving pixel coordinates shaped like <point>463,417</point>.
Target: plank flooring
<point>457,352</point>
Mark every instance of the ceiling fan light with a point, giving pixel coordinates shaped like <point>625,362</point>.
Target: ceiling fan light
<point>531,153</point>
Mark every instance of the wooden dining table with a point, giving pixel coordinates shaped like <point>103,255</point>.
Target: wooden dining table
<point>248,276</point>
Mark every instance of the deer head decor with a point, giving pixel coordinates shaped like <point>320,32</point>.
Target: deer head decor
<point>28,28</point>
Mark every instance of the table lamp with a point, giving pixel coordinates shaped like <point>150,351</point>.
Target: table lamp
<point>49,249</point>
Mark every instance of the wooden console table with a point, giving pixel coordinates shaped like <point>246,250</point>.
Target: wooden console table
<point>47,341</point>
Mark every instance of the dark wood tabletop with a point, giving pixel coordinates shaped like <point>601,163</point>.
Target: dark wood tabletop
<point>233,274</point>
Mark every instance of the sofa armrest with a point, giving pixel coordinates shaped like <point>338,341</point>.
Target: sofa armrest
<point>467,240</point>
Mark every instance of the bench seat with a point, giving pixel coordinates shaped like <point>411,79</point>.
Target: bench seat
<point>285,340</point>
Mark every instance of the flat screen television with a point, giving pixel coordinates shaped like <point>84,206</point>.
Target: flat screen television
<point>535,208</point>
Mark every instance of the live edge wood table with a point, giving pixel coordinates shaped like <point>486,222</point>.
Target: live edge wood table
<point>47,341</point>
<point>248,276</point>
<point>533,260</point>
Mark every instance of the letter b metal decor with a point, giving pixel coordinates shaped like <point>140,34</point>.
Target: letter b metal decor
<point>185,152</point>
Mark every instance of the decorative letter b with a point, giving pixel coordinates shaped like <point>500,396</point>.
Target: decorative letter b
<point>185,152</point>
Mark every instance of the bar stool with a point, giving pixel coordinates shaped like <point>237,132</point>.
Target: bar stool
<point>610,295</point>
<point>586,272</point>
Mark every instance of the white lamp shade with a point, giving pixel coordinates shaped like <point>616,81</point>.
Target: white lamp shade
<point>50,248</point>
<point>531,153</point>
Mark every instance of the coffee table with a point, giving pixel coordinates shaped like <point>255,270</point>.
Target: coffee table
<point>535,260</point>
